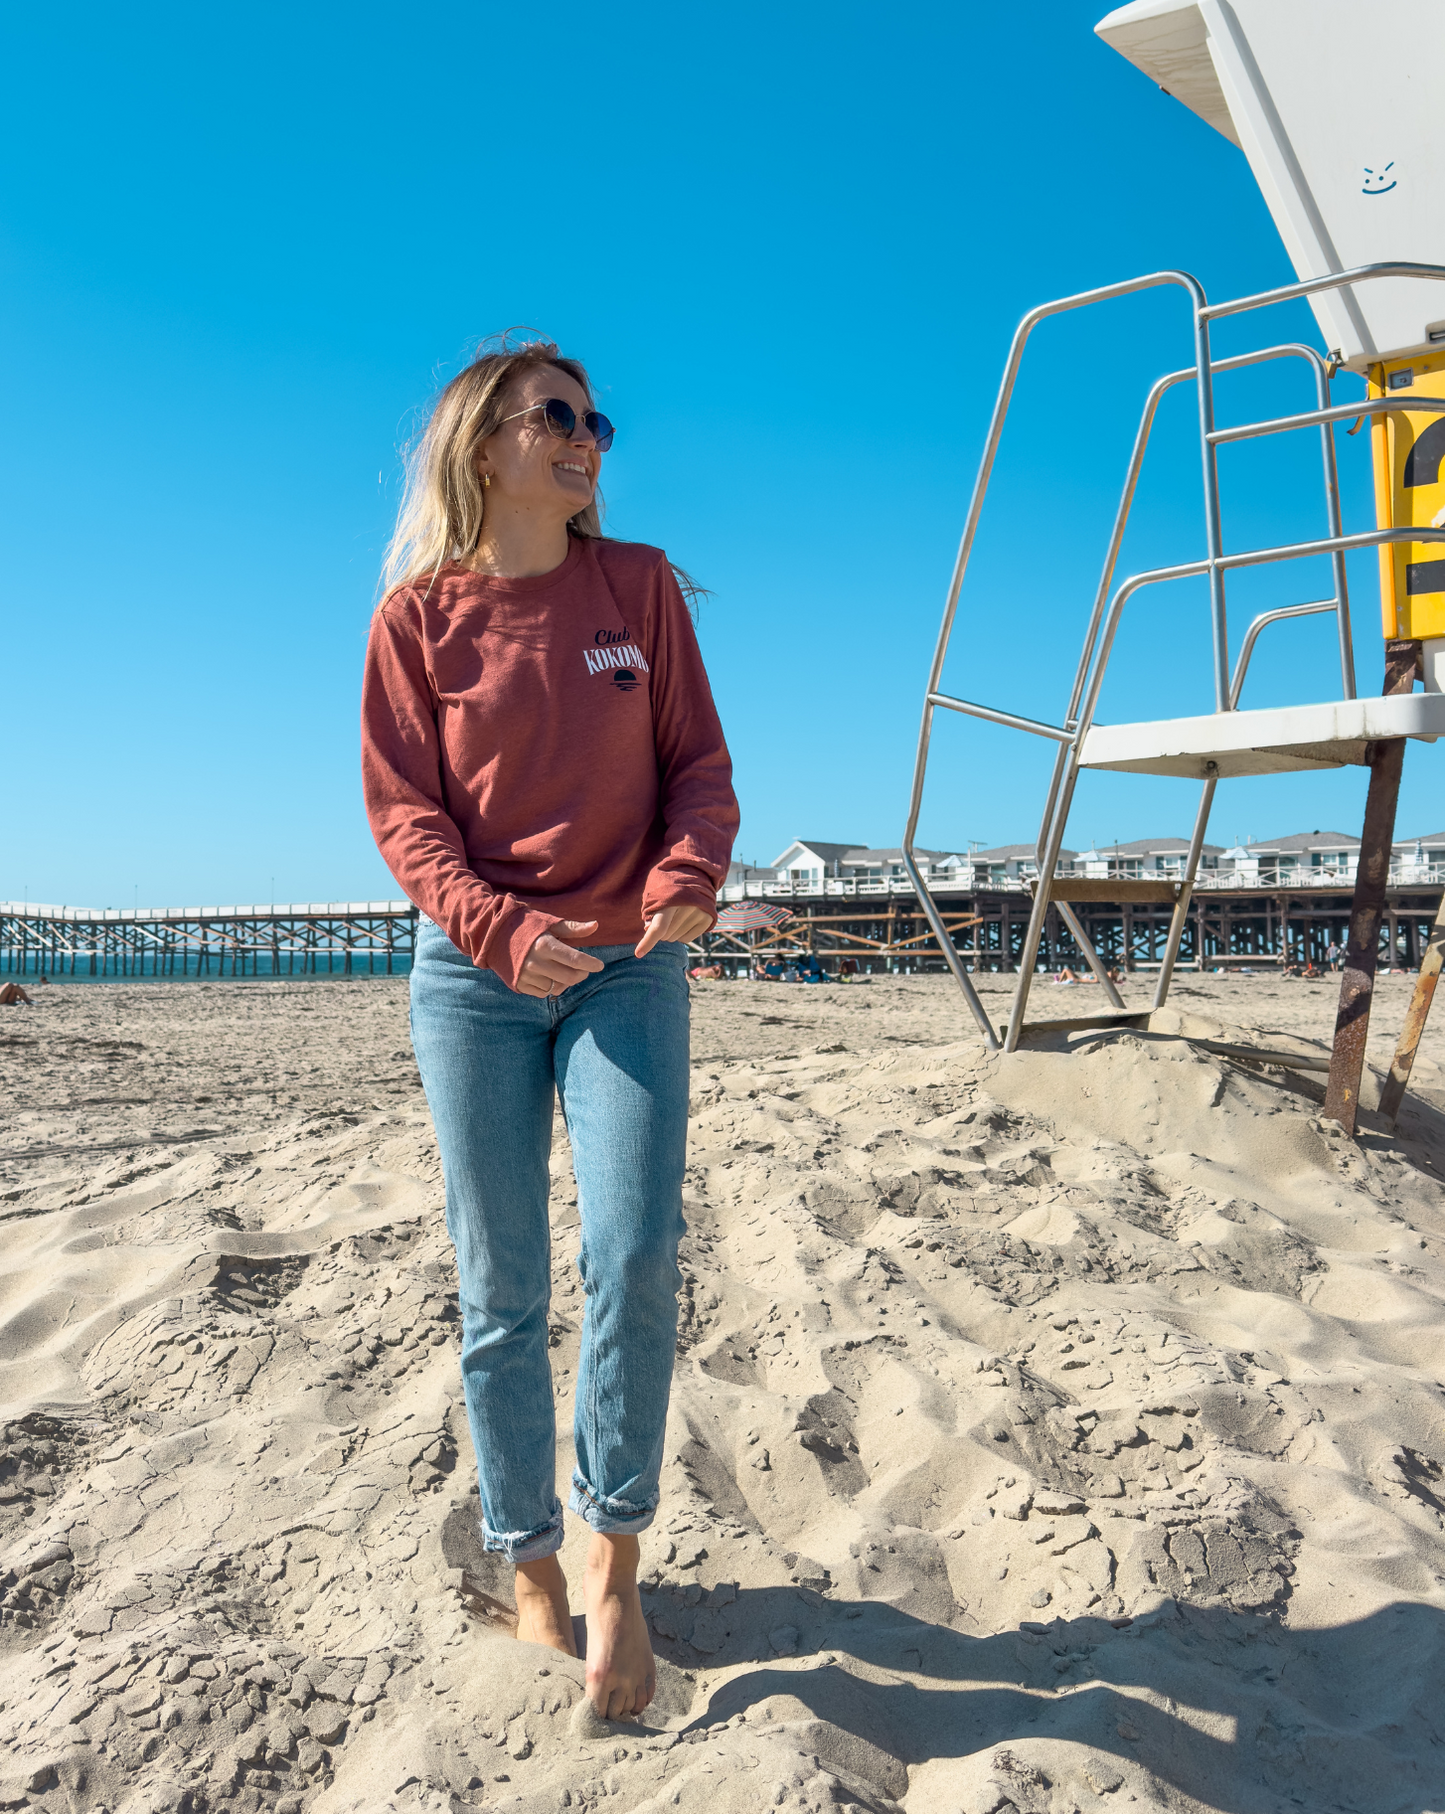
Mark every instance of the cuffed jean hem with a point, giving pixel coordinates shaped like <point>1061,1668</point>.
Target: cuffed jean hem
<point>612,1517</point>
<point>526,1546</point>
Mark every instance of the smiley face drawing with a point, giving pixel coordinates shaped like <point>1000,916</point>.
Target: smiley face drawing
<point>1379,182</point>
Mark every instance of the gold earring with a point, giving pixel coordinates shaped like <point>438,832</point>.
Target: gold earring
<point>486,481</point>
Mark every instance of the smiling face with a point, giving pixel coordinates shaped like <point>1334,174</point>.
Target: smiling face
<point>530,469</point>
<point>1380,180</point>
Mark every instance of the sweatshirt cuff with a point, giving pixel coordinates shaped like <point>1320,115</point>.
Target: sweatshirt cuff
<point>510,937</point>
<point>679,888</point>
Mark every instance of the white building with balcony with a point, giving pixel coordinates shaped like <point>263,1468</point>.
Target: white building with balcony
<point>1146,858</point>
<point>1008,864</point>
<point>810,863</point>
<point>1305,859</point>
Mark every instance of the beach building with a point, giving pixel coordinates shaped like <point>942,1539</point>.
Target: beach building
<point>1303,859</point>
<point>1145,859</point>
<point>1016,863</point>
<point>812,862</point>
<point>1419,859</point>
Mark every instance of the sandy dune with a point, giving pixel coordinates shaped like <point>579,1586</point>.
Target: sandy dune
<point>1063,1431</point>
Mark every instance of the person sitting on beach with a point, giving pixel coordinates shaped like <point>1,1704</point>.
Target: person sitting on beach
<point>546,778</point>
<point>13,996</point>
<point>773,972</point>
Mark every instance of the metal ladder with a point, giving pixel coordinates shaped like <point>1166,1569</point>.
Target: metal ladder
<point>1218,744</point>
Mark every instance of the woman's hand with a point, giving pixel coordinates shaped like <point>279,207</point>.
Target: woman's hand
<point>550,966</point>
<point>679,923</point>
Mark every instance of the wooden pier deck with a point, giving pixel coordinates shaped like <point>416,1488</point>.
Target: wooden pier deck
<point>312,939</point>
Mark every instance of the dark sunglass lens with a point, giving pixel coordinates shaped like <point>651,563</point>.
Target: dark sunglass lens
<point>561,418</point>
<point>602,430</point>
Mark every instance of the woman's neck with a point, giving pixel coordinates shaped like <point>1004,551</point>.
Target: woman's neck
<point>516,544</point>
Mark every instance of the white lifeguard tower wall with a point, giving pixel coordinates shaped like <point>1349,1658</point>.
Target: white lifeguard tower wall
<point>1337,104</point>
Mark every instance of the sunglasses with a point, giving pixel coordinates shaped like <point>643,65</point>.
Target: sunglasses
<point>561,420</point>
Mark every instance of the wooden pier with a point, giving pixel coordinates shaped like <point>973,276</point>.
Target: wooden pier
<point>882,929</point>
<point>331,938</point>
<point>1226,927</point>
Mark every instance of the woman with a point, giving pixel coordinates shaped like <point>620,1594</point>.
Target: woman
<point>547,780</point>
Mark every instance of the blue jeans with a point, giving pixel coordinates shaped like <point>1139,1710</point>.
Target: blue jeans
<point>615,1048</point>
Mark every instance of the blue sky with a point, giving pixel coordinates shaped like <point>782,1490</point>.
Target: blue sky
<point>242,249</point>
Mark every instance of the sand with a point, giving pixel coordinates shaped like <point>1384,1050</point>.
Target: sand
<point>1061,1431</point>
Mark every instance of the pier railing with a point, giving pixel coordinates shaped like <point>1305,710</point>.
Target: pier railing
<point>316,938</point>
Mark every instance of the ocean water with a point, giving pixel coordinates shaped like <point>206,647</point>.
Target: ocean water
<point>94,967</point>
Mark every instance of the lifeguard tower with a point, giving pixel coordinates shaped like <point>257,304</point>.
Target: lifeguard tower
<point>1331,103</point>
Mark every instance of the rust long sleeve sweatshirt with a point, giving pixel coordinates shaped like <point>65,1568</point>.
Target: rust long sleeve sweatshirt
<point>545,749</point>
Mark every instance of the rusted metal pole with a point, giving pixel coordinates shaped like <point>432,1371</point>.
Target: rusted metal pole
<point>1352,1021</point>
<point>1430,965</point>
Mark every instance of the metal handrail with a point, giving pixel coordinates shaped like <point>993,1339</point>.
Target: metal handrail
<point>1103,624</point>
<point>1295,349</point>
<point>1010,719</point>
<point>1043,312</point>
<point>1254,557</point>
<point>1341,412</point>
<point>1312,286</point>
<point>1251,636</point>
<point>1372,538</point>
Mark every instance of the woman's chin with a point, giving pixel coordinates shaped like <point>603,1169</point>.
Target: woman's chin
<point>578,495</point>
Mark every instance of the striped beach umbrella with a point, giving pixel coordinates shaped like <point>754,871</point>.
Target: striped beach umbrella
<point>752,916</point>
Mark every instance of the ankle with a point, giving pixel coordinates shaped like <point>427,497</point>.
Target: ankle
<point>542,1577</point>
<point>613,1560</point>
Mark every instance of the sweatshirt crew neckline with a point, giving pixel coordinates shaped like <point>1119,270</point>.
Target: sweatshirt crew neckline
<point>532,582</point>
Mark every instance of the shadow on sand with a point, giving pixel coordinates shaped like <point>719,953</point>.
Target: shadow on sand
<point>1235,1710</point>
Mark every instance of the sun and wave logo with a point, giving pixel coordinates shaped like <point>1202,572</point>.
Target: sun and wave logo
<point>613,654</point>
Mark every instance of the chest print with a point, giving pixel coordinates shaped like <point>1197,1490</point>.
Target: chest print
<point>613,654</point>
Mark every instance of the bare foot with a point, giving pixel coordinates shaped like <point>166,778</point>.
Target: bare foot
<point>621,1670</point>
<point>542,1613</point>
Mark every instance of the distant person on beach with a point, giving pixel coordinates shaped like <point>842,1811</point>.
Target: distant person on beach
<point>13,996</point>
<point>546,778</point>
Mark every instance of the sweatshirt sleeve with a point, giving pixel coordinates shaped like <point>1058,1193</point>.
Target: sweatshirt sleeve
<point>419,841</point>
<point>698,808</point>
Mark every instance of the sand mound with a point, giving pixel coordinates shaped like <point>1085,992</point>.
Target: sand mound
<point>1057,1431</point>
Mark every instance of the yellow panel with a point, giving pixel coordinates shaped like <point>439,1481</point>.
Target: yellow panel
<point>1410,489</point>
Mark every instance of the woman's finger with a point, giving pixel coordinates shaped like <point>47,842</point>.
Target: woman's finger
<point>679,923</point>
<point>653,934</point>
<point>556,969</point>
<point>581,961</point>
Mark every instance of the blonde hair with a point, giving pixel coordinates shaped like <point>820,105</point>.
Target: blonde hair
<point>440,519</point>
